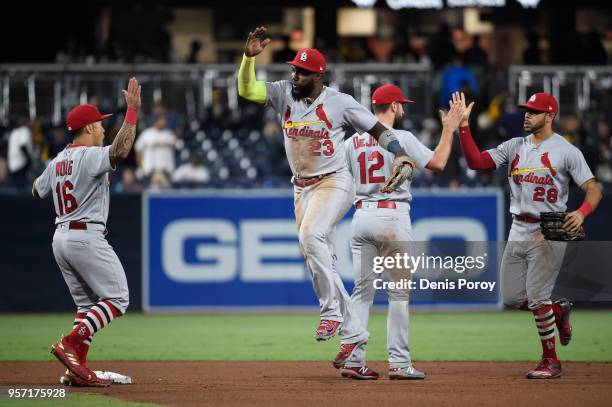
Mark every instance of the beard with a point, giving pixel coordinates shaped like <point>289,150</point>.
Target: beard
<point>302,91</point>
<point>535,126</point>
<point>397,120</point>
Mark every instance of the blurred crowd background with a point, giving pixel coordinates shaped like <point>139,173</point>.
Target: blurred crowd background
<point>204,136</point>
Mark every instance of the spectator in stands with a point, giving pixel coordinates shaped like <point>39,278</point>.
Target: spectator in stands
<point>20,152</point>
<point>532,54</point>
<point>429,132</point>
<point>603,144</point>
<point>603,172</point>
<point>128,182</point>
<point>155,148</point>
<point>57,141</point>
<point>284,54</point>
<point>409,50</point>
<point>457,78</point>
<point>593,50</point>
<point>159,181</point>
<point>3,171</point>
<point>355,49</point>
<point>194,52</point>
<point>193,171</point>
<point>441,48</point>
<point>475,56</point>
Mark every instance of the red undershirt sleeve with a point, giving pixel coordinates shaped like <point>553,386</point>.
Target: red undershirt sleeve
<point>476,160</point>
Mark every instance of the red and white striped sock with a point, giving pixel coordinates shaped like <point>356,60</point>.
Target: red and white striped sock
<point>84,348</point>
<point>96,318</point>
<point>545,322</point>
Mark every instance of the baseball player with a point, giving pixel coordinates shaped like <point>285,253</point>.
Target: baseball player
<point>78,182</point>
<point>540,168</point>
<point>381,225</point>
<point>315,120</point>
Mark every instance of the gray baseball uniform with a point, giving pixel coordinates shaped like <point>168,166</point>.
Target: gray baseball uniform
<point>78,182</point>
<point>381,232</point>
<point>539,179</point>
<point>314,135</point>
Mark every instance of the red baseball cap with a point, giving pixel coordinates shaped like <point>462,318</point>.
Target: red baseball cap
<point>82,115</point>
<point>389,94</point>
<point>309,59</point>
<point>541,102</point>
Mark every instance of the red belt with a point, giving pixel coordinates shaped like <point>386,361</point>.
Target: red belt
<point>526,218</point>
<point>379,204</point>
<point>74,225</point>
<point>306,182</point>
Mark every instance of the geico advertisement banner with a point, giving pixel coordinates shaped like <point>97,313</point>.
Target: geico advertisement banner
<point>223,248</point>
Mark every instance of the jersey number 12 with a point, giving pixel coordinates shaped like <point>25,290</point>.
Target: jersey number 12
<point>64,199</point>
<point>370,178</point>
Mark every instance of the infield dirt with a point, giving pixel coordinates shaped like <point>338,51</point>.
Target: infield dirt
<point>318,383</point>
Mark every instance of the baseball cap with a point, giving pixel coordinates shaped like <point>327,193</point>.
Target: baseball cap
<point>309,59</point>
<point>389,94</point>
<point>541,102</point>
<point>82,115</point>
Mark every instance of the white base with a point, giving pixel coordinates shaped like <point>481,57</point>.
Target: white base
<point>114,377</point>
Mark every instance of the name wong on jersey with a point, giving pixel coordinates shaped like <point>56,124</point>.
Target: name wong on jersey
<point>63,168</point>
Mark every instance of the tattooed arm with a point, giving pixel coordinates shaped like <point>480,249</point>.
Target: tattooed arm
<point>125,137</point>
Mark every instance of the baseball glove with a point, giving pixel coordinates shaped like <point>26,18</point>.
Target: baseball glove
<point>552,227</point>
<point>403,167</point>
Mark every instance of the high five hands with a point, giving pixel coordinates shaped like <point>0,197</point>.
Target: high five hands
<point>454,117</point>
<point>459,99</point>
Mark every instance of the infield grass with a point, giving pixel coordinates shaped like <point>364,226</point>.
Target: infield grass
<point>490,336</point>
<point>74,399</point>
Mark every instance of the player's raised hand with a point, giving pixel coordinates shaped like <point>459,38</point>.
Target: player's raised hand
<point>255,42</point>
<point>454,117</point>
<point>459,98</point>
<point>132,94</point>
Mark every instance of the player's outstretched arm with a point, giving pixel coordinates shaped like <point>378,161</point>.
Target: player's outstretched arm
<point>387,140</point>
<point>125,137</point>
<point>575,219</point>
<point>450,123</point>
<point>476,160</point>
<point>248,86</point>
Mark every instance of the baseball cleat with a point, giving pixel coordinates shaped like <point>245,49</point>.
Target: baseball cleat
<point>66,353</point>
<point>70,379</point>
<point>346,351</point>
<point>548,368</point>
<point>405,373</point>
<point>359,373</point>
<point>563,323</point>
<point>326,329</point>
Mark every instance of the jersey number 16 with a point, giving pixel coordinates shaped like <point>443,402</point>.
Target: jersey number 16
<point>64,199</point>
